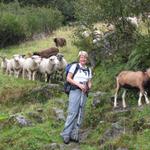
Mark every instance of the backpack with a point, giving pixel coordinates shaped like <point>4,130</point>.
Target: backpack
<point>67,85</point>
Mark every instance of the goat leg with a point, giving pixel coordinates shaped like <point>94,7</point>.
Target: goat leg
<point>140,97</point>
<point>123,99</point>
<point>146,98</point>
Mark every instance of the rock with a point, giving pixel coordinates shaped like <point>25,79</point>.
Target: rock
<point>96,102</point>
<point>21,120</point>
<point>59,114</point>
<point>36,117</point>
<point>115,131</point>
<point>84,134</point>
<point>53,146</point>
<point>99,93</point>
<point>97,98</point>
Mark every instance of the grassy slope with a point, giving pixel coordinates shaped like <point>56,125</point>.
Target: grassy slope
<point>40,134</point>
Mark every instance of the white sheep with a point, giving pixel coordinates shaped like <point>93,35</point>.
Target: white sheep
<point>9,69</point>
<point>60,66</point>
<point>16,63</point>
<point>3,64</point>
<point>128,79</point>
<point>13,66</point>
<point>46,66</point>
<point>30,66</point>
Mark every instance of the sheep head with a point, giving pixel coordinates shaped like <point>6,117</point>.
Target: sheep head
<point>59,56</point>
<point>53,60</point>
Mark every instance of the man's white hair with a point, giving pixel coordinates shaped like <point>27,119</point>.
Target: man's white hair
<point>84,53</point>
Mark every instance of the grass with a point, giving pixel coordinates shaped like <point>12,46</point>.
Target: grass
<point>70,51</point>
<point>98,119</point>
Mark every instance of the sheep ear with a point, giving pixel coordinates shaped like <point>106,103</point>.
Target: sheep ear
<point>23,55</point>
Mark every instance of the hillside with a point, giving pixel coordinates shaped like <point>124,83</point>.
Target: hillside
<point>41,106</point>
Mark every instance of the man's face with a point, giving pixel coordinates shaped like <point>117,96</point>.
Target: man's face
<point>83,59</point>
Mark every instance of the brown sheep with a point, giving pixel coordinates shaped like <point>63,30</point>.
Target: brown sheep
<point>47,52</point>
<point>131,79</point>
<point>60,42</point>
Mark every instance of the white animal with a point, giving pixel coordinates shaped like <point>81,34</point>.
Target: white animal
<point>60,66</point>
<point>3,64</point>
<point>47,65</point>
<point>17,67</point>
<point>30,67</point>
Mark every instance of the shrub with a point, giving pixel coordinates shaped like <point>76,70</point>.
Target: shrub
<point>139,58</point>
<point>11,29</point>
<point>18,24</point>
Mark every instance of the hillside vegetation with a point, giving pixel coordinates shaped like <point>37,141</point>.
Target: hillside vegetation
<point>32,113</point>
<point>103,128</point>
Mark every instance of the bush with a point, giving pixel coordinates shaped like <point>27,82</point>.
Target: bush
<point>11,30</point>
<point>139,58</point>
<point>18,24</point>
<point>42,20</point>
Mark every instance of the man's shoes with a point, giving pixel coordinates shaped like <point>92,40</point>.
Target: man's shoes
<point>74,140</point>
<point>66,140</point>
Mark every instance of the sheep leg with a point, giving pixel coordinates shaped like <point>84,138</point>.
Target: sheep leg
<point>30,75</point>
<point>17,74</point>
<point>23,74</point>
<point>140,97</point>
<point>33,75</point>
<point>10,72</point>
<point>48,78</point>
<point>123,99</point>
<point>45,77</point>
<point>146,98</point>
<point>7,71</point>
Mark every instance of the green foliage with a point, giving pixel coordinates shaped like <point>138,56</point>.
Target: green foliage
<point>139,57</point>
<point>40,135</point>
<point>66,7</point>
<point>88,11</point>
<point>11,30</point>
<point>18,24</point>
<point>92,11</point>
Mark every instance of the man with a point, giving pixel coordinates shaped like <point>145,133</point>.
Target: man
<point>81,83</point>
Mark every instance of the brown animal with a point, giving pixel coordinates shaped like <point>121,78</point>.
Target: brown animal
<point>47,52</point>
<point>60,42</point>
<point>131,79</point>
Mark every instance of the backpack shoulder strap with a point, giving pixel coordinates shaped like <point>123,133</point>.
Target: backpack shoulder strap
<point>88,71</point>
<point>76,69</point>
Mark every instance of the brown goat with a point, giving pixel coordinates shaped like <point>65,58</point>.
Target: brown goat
<point>131,79</point>
<point>60,42</point>
<point>47,52</point>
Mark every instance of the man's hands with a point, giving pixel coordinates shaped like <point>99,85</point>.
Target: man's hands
<point>83,87</point>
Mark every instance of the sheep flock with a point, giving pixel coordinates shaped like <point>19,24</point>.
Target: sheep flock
<point>34,67</point>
